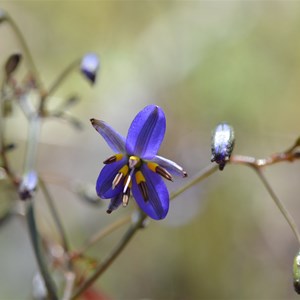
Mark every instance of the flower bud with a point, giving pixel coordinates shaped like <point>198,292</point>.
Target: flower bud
<point>28,185</point>
<point>222,144</point>
<point>89,66</point>
<point>12,63</point>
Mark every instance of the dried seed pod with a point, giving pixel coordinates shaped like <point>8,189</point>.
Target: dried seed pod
<point>12,64</point>
<point>222,144</point>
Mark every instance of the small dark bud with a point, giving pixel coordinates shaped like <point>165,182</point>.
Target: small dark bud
<point>9,147</point>
<point>89,66</point>
<point>12,64</point>
<point>222,144</point>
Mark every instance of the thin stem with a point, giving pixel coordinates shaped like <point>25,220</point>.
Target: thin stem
<point>35,123</point>
<point>279,204</point>
<point>29,180</point>
<point>113,255</point>
<point>63,76</point>
<point>133,229</point>
<point>103,233</point>
<point>70,280</point>
<point>203,174</point>
<point>5,162</point>
<point>27,53</point>
<point>58,81</point>
<point>56,218</point>
<point>37,247</point>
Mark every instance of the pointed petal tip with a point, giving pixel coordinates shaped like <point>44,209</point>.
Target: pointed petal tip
<point>184,174</point>
<point>114,140</point>
<point>109,211</point>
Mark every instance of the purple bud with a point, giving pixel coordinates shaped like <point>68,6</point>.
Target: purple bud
<point>28,185</point>
<point>222,144</point>
<point>89,66</point>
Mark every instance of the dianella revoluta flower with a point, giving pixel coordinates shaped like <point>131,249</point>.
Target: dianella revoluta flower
<point>136,168</point>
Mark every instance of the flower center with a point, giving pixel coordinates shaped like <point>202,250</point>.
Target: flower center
<point>133,162</point>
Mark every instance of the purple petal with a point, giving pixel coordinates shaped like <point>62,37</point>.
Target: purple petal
<point>146,132</point>
<point>106,177</point>
<point>114,140</point>
<point>170,166</point>
<point>157,205</point>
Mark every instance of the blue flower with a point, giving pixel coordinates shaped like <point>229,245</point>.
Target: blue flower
<point>136,168</point>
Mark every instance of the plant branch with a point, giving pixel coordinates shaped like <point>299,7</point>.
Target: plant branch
<point>279,204</point>
<point>56,218</point>
<point>27,53</point>
<point>37,247</point>
<point>103,233</point>
<point>113,255</point>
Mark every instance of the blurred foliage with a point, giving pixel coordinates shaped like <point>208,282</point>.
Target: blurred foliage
<point>203,62</point>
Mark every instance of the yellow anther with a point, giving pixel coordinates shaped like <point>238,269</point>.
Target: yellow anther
<point>152,166</point>
<point>121,174</point>
<point>113,158</point>
<point>124,170</point>
<point>159,170</point>
<point>139,177</point>
<point>119,156</point>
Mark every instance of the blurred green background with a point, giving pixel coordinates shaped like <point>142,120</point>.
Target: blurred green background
<point>203,62</point>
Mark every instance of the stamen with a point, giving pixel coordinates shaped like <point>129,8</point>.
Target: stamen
<point>141,181</point>
<point>144,190</point>
<point>113,158</point>
<point>160,170</point>
<point>122,173</point>
<point>164,173</point>
<point>117,180</point>
<point>126,196</point>
<point>128,181</point>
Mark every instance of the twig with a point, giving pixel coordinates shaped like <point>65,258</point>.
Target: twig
<point>56,218</point>
<point>37,247</point>
<point>104,232</point>
<point>279,204</point>
<point>113,255</point>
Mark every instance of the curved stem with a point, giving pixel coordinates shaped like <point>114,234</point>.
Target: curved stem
<point>279,204</point>
<point>63,76</point>
<point>27,52</point>
<point>103,233</point>
<point>59,80</point>
<point>37,247</point>
<point>113,255</point>
<point>56,218</point>
<point>204,173</point>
